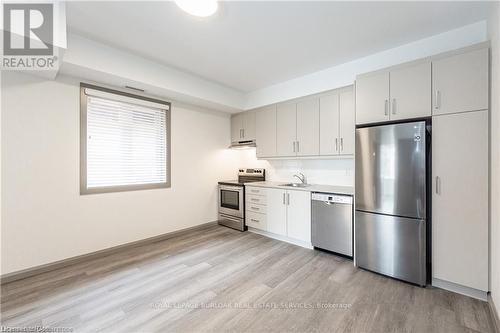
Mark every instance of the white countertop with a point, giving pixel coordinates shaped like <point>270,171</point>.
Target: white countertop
<point>347,190</point>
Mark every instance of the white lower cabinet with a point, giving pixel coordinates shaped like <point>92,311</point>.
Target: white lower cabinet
<point>256,220</point>
<point>285,213</point>
<point>276,211</point>
<point>299,215</point>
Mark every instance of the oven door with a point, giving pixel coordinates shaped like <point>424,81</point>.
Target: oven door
<point>231,200</point>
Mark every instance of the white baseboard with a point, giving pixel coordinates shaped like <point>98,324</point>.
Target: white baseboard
<point>459,289</point>
<point>494,313</point>
<point>281,238</point>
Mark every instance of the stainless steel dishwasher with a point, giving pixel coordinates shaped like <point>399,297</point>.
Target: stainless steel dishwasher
<point>332,222</point>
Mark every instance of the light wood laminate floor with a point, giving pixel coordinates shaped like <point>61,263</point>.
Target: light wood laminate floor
<point>217,279</point>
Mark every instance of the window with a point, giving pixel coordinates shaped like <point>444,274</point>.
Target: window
<point>125,141</point>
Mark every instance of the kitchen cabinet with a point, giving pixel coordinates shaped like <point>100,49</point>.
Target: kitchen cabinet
<point>307,127</point>
<point>337,123</point>
<point>236,127</point>
<point>403,92</point>
<point>347,125</point>
<point>286,129</point>
<point>282,212</point>
<point>460,82</point>
<point>410,88</point>
<point>249,125</point>
<point>299,215</point>
<point>265,132</point>
<point>329,116</point>
<point>256,220</point>
<point>460,198</point>
<point>372,98</point>
<point>243,126</point>
<point>276,211</point>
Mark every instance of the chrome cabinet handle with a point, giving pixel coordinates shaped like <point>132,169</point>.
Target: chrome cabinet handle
<point>256,200</point>
<point>255,208</point>
<point>393,106</point>
<point>437,102</point>
<point>386,107</point>
<point>288,199</point>
<point>254,220</point>
<point>294,146</point>
<point>336,144</point>
<point>341,144</point>
<point>298,146</point>
<point>438,185</point>
<point>284,203</point>
<point>243,133</point>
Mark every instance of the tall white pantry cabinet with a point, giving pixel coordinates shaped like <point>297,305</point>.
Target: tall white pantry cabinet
<point>460,167</point>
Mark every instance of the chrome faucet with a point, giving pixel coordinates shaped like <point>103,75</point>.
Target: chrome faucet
<point>301,177</point>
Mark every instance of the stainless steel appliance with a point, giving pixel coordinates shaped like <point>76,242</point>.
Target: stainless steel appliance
<point>232,198</point>
<point>391,200</point>
<point>332,222</point>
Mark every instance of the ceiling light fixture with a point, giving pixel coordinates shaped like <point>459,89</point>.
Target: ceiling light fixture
<point>201,8</point>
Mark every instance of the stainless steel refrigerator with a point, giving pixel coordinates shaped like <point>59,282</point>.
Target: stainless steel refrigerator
<point>391,200</point>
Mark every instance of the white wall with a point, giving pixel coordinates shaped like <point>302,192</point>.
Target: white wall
<point>45,219</point>
<point>345,74</point>
<point>494,36</point>
<point>338,172</point>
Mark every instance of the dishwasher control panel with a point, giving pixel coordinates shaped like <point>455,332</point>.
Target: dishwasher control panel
<point>333,198</point>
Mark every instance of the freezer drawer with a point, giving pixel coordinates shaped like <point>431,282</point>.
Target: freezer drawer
<point>391,245</point>
<point>332,223</point>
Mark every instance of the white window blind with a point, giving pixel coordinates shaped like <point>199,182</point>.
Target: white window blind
<point>126,143</point>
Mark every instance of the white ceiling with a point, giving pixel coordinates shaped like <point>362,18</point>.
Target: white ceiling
<point>252,45</point>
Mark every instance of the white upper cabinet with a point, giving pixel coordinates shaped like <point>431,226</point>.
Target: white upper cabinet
<point>410,91</point>
<point>337,123</point>
<point>372,98</point>
<point>243,126</point>
<point>299,215</point>
<point>307,127</point>
<point>265,132</point>
<point>329,124</point>
<point>347,123</point>
<point>286,129</point>
<point>249,125</point>
<point>400,93</point>
<point>237,127</point>
<point>460,82</point>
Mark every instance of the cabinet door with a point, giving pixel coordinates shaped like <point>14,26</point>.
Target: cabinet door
<point>460,83</point>
<point>286,129</point>
<point>329,125</point>
<point>308,127</point>
<point>249,125</point>
<point>460,199</point>
<point>347,125</point>
<point>237,127</point>
<point>265,132</point>
<point>411,92</point>
<point>372,98</point>
<point>276,211</point>
<point>299,215</point>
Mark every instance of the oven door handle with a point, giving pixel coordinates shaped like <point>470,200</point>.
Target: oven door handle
<point>230,188</point>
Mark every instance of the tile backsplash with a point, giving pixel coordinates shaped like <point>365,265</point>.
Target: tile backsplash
<point>338,172</point>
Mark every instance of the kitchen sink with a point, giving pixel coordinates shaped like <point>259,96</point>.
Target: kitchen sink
<point>296,185</point>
